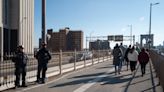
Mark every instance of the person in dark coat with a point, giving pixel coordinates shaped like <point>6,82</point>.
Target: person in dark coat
<point>123,49</point>
<point>20,59</point>
<point>143,60</point>
<point>43,56</point>
<point>126,56</point>
<point>117,58</point>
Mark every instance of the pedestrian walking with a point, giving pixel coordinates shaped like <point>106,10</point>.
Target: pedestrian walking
<point>133,58</point>
<point>138,49</point>
<point>117,58</point>
<point>20,59</point>
<point>126,56</point>
<point>143,58</point>
<point>43,56</point>
<point>123,49</point>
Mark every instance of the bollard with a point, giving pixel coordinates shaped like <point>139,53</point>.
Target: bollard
<point>60,61</point>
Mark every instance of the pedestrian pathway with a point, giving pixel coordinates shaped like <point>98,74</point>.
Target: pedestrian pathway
<point>148,83</point>
<point>99,78</point>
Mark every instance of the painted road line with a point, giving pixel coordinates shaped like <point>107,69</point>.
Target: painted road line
<point>40,85</point>
<point>91,83</point>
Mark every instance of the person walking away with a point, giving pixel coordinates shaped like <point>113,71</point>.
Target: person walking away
<point>20,59</point>
<point>123,49</point>
<point>43,56</point>
<point>138,49</point>
<point>126,56</point>
<point>143,58</point>
<point>133,58</point>
<point>117,56</point>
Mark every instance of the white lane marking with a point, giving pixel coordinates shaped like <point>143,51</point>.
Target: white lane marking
<point>91,83</point>
<point>40,85</point>
<point>63,76</point>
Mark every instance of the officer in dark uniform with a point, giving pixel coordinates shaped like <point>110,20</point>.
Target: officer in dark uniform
<point>43,56</point>
<point>20,60</point>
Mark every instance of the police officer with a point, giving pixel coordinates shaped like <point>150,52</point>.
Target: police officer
<point>20,60</point>
<point>43,56</point>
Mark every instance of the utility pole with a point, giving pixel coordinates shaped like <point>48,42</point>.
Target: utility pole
<point>44,21</point>
<point>131,37</point>
<point>150,42</point>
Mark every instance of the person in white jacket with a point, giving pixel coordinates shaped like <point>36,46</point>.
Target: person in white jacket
<point>133,58</point>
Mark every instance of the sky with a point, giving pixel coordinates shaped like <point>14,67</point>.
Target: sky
<point>102,17</point>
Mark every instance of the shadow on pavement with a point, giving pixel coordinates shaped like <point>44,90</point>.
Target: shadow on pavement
<point>75,82</point>
<point>88,75</point>
<point>109,79</point>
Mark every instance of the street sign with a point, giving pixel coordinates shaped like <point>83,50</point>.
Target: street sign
<point>111,38</point>
<point>118,38</point>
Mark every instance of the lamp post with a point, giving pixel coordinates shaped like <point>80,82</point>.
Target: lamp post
<point>43,21</point>
<point>151,4</point>
<point>131,37</point>
<point>90,40</point>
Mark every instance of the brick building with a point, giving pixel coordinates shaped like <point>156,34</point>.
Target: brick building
<point>65,39</point>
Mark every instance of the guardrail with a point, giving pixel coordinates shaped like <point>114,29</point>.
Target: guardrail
<point>56,66</point>
<point>158,63</point>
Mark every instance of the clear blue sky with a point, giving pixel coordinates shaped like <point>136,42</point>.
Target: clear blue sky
<point>102,17</point>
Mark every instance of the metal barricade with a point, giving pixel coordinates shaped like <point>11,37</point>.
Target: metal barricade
<point>59,62</point>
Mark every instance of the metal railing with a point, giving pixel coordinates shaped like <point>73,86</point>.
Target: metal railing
<point>71,59</point>
<point>158,63</point>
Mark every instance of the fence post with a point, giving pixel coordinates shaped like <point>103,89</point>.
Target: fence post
<point>98,56</point>
<point>103,55</point>
<point>92,57</point>
<point>75,60</point>
<point>84,60</point>
<point>107,55</point>
<point>60,61</point>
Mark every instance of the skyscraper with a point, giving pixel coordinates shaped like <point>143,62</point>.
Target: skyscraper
<point>16,25</point>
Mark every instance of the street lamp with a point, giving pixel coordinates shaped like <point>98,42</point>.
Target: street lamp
<point>151,4</point>
<point>90,39</point>
<point>130,34</point>
<point>44,21</point>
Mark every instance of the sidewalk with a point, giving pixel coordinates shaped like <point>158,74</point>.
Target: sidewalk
<point>148,83</point>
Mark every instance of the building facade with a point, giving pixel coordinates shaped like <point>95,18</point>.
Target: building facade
<point>99,45</point>
<point>16,25</point>
<point>75,40</point>
<point>65,39</point>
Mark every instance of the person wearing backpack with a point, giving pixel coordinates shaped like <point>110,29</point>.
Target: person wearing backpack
<point>143,58</point>
<point>43,56</point>
<point>126,56</point>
